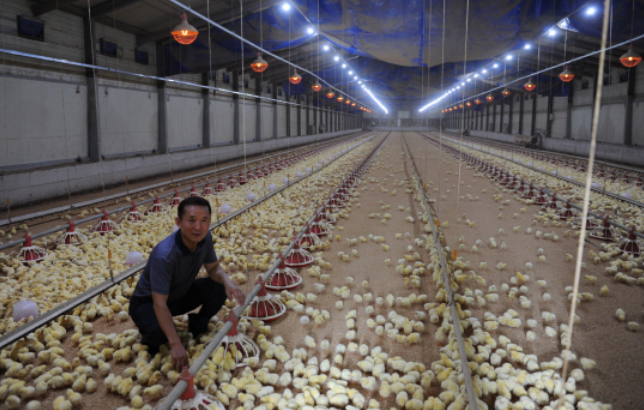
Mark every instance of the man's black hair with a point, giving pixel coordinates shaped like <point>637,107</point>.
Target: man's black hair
<point>193,201</point>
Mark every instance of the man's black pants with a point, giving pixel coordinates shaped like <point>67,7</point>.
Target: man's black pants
<point>204,292</point>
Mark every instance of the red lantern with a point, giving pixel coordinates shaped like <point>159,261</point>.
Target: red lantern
<point>330,94</point>
<point>340,98</point>
<point>489,97</point>
<point>505,92</point>
<point>259,65</point>
<point>477,101</point>
<point>184,33</point>
<point>566,75</point>
<point>631,58</point>
<point>316,87</point>
<point>530,86</point>
<point>295,78</point>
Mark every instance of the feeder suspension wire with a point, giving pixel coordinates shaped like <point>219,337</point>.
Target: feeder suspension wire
<point>586,206</point>
<point>243,81</point>
<point>440,125</point>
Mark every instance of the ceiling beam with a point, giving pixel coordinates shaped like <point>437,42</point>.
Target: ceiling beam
<point>219,18</point>
<point>49,5</point>
<point>110,6</point>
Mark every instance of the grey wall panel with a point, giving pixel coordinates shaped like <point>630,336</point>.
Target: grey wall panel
<point>248,119</point>
<point>267,121</point>
<point>128,120</point>
<point>185,121</point>
<point>281,120</point>
<point>221,115</point>
<point>41,121</point>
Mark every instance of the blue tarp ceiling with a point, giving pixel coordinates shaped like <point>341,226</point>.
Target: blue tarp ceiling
<point>399,43</point>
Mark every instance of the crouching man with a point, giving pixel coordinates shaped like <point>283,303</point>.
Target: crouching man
<point>168,286</point>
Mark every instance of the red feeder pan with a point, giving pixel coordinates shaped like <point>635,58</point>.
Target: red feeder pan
<point>105,225</point>
<point>193,192</point>
<point>605,232</point>
<point>251,175</point>
<point>220,186</point>
<point>631,244</point>
<point>133,215</point>
<point>176,199</point>
<point>240,346</point>
<point>612,176</point>
<point>242,179</point>
<point>157,206</point>
<point>30,253</point>
<point>319,227</point>
<point>71,237</point>
<point>625,178</point>
<point>541,199</point>
<point>298,257</point>
<point>264,306</point>
<point>600,174</point>
<point>566,212</point>
<point>639,182</point>
<point>591,223</point>
<point>259,173</point>
<point>207,190</point>
<point>193,398</point>
<point>309,239</point>
<point>284,278</point>
<point>232,182</point>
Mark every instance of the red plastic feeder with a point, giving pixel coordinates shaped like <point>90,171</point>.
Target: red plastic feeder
<point>251,175</point>
<point>284,278</point>
<point>542,198</point>
<point>612,176</point>
<point>512,181</point>
<point>298,257</point>
<point>639,182</point>
<point>105,225</point>
<point>240,346</point>
<point>625,178</point>
<point>220,186</point>
<point>242,178</point>
<point>133,215</point>
<point>631,244</point>
<point>259,173</point>
<point>176,199</point>
<point>207,190</point>
<point>264,306</point>
<point>605,232</point>
<point>320,227</point>
<point>194,399</point>
<point>566,212</point>
<point>30,253</point>
<point>309,239</point>
<point>232,182</point>
<point>193,192</point>
<point>157,206</point>
<point>71,237</point>
<point>591,223</point>
<point>600,174</point>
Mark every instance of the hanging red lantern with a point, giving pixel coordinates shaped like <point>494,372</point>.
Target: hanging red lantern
<point>330,94</point>
<point>566,75</point>
<point>477,101</point>
<point>460,106</point>
<point>631,58</point>
<point>259,65</point>
<point>468,104</point>
<point>340,98</point>
<point>353,104</point>
<point>316,86</point>
<point>184,33</point>
<point>347,102</point>
<point>530,86</point>
<point>505,92</point>
<point>489,97</point>
<point>295,78</point>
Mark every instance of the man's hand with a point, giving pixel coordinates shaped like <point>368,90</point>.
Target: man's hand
<point>233,292</point>
<point>179,356</point>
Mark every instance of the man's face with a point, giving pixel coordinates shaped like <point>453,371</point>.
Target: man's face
<point>194,223</point>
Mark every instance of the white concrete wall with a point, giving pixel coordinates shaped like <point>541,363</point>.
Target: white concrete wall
<point>128,120</point>
<point>267,121</point>
<point>222,120</point>
<point>185,121</point>
<point>293,120</point>
<point>41,121</point>
<point>251,119</point>
<point>281,120</point>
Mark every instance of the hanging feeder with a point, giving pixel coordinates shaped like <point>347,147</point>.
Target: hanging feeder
<point>284,278</point>
<point>631,244</point>
<point>259,65</point>
<point>157,206</point>
<point>232,182</point>
<point>30,253</point>
<point>192,398</point>
<point>567,211</point>
<point>566,75</point>
<point>529,86</point>
<point>105,225</point>
<point>71,237</point>
<point>240,346</point>
<point>330,94</point>
<point>176,199</point>
<point>133,215</point>
<point>298,257</point>
<point>264,306</point>
<point>320,227</point>
<point>316,86</point>
<point>193,192</point>
<point>242,178</point>
<point>309,239</point>
<point>220,186</point>
<point>184,33</point>
<point>631,58</point>
<point>591,223</point>
<point>605,232</point>
<point>542,198</point>
<point>295,78</point>
<point>207,190</point>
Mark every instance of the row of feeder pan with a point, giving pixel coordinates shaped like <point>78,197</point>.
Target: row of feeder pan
<point>30,253</point>
<point>578,165</point>
<point>267,307</point>
<point>599,227</point>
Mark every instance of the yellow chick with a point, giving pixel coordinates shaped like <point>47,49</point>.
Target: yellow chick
<point>590,278</point>
<point>604,291</point>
